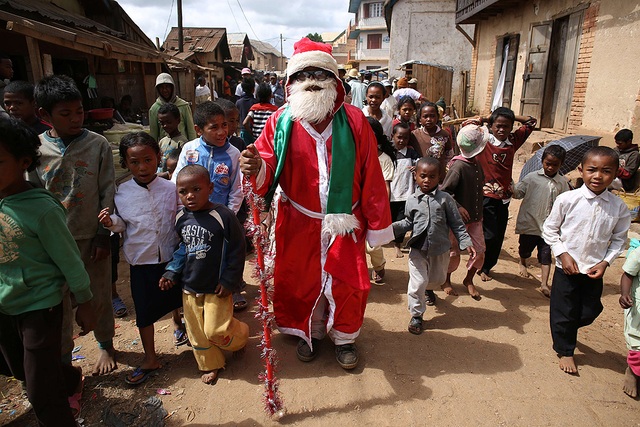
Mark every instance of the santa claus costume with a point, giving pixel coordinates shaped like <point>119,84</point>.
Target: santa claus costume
<point>333,198</point>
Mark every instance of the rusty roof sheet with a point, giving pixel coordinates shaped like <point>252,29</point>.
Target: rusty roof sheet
<point>236,38</point>
<point>50,11</point>
<point>265,48</point>
<point>197,39</point>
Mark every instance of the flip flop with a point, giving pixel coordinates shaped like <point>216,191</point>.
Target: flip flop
<point>119,308</point>
<point>180,337</point>
<point>239,302</point>
<point>139,372</point>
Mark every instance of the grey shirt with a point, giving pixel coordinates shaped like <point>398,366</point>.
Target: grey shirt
<point>429,216</point>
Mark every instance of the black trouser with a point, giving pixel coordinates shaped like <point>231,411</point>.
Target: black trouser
<point>575,302</point>
<point>30,343</point>
<point>495,215</point>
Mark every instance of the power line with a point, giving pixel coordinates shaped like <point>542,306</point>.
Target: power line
<point>234,15</point>
<point>168,20</point>
<point>245,18</point>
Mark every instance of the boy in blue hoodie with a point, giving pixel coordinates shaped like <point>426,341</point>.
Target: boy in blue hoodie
<point>38,256</point>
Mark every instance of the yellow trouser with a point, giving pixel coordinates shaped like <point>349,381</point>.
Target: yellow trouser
<point>212,328</point>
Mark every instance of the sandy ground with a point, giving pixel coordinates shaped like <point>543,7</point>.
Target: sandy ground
<point>485,362</point>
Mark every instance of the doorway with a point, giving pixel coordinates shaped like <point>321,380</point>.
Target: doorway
<point>550,70</point>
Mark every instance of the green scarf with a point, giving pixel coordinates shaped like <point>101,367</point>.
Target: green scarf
<point>343,160</point>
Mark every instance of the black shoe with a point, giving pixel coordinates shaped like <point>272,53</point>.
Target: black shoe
<point>347,356</point>
<point>431,297</point>
<point>304,352</point>
<point>415,325</point>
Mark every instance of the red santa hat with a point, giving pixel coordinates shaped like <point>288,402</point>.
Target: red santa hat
<point>307,53</point>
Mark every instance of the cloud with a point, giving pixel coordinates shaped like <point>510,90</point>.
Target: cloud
<point>293,19</point>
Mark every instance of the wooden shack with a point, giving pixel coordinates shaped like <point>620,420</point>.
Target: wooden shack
<point>434,80</point>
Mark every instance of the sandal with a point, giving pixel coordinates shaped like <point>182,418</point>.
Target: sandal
<point>119,308</point>
<point>415,325</point>
<point>378,276</point>
<point>180,337</point>
<point>239,302</point>
<point>142,373</point>
<point>430,297</point>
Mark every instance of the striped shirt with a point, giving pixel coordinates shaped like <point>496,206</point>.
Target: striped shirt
<point>259,114</point>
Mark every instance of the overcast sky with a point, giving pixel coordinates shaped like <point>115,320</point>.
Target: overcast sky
<point>268,18</point>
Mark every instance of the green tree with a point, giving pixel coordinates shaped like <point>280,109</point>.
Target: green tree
<point>315,37</point>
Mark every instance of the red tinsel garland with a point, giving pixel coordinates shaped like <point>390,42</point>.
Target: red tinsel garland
<point>264,275</point>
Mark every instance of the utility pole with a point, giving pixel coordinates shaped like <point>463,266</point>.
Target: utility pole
<point>281,55</point>
<point>180,34</point>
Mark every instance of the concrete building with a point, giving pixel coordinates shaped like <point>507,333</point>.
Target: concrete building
<point>570,63</point>
<point>426,31</point>
<point>369,31</point>
<point>341,45</point>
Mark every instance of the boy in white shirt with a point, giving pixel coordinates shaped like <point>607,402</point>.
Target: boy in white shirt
<point>586,230</point>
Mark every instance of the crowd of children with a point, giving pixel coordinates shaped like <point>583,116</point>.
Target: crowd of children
<point>180,217</point>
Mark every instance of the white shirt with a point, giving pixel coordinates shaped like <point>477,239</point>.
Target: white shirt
<point>385,121</point>
<point>589,227</point>
<point>147,218</point>
<point>389,105</point>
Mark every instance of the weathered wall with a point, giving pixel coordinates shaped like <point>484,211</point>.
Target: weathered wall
<point>426,31</point>
<point>606,93</point>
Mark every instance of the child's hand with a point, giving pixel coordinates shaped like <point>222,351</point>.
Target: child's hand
<point>221,291</point>
<point>464,214</point>
<point>105,218</point>
<point>569,265</point>
<point>165,284</point>
<point>626,301</point>
<point>86,317</point>
<point>472,252</point>
<point>597,271</point>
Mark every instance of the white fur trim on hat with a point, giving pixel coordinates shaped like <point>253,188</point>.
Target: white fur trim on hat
<point>313,58</point>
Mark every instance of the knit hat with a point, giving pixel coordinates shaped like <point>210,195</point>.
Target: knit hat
<point>353,73</point>
<point>245,71</point>
<point>441,103</point>
<point>307,53</point>
<point>403,82</point>
<point>472,140</point>
<point>164,78</point>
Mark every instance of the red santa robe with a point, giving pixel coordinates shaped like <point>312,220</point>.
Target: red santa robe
<point>309,265</point>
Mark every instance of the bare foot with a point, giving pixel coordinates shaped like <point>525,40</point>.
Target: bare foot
<point>523,271</point>
<point>106,363</point>
<point>545,291</point>
<point>485,277</point>
<point>471,288</point>
<point>630,386</point>
<point>399,253</point>
<point>448,289</point>
<point>210,377</point>
<point>568,365</point>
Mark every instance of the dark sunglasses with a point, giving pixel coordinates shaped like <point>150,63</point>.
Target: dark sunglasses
<point>318,75</point>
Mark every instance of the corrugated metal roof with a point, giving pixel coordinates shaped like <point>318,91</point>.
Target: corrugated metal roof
<point>55,13</point>
<point>236,38</point>
<point>236,52</point>
<point>264,48</point>
<point>198,39</point>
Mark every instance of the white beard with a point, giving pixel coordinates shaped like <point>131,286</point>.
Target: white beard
<point>312,105</point>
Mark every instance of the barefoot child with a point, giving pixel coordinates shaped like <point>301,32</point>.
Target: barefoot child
<point>539,191</point>
<point>586,230</point>
<point>145,212</point>
<point>208,265</point>
<point>77,167</point>
<point>464,182</point>
<point>38,257</point>
<point>403,184</point>
<point>429,214</point>
<point>497,163</point>
<point>630,301</point>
